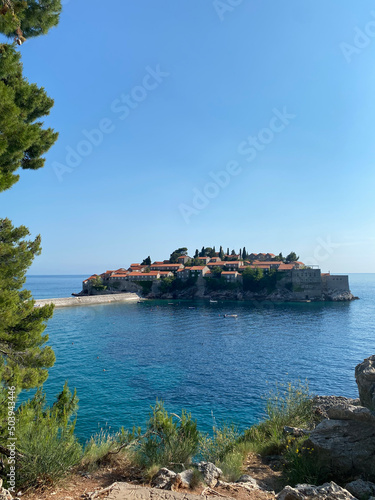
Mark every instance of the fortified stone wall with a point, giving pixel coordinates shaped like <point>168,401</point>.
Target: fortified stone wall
<point>307,283</point>
<point>332,282</point>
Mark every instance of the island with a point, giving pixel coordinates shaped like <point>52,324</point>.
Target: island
<point>225,276</point>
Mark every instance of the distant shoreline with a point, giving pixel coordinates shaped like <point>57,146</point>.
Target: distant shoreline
<point>87,301</point>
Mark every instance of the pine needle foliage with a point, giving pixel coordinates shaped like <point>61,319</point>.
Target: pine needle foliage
<point>172,440</point>
<point>23,140</point>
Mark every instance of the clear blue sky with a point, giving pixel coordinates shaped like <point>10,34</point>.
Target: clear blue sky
<point>280,95</point>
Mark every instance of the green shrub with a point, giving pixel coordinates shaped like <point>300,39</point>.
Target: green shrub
<point>231,465</point>
<point>224,449</point>
<point>224,440</point>
<point>196,479</point>
<point>46,439</point>
<point>302,465</point>
<point>288,405</point>
<point>104,446</point>
<point>170,439</point>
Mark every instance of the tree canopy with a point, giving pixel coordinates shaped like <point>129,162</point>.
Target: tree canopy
<point>23,140</point>
<point>292,257</point>
<point>24,360</point>
<point>177,253</point>
<point>146,261</point>
<point>23,19</point>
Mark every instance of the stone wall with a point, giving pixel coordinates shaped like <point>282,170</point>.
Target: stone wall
<point>335,282</point>
<point>307,283</point>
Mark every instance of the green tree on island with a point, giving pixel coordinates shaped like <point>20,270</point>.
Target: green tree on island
<point>216,271</point>
<point>177,253</point>
<point>292,257</point>
<point>146,261</point>
<point>97,283</point>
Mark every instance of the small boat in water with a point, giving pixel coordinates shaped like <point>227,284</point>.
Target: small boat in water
<point>192,307</point>
<point>213,301</point>
<point>230,315</point>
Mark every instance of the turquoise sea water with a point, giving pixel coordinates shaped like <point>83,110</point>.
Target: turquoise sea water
<point>122,357</point>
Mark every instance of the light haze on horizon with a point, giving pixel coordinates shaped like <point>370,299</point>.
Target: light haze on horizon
<point>248,125</point>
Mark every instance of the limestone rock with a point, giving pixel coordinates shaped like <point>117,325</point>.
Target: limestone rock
<point>365,378</point>
<point>163,479</point>
<point>245,478</point>
<point>348,445</point>
<point>321,404</point>
<point>132,491</point>
<point>5,494</point>
<point>360,488</point>
<point>295,431</point>
<point>211,473</point>
<point>183,479</point>
<point>358,413</point>
<point>328,491</point>
<point>338,296</point>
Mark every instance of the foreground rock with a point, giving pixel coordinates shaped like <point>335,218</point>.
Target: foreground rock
<point>124,491</point>
<point>183,480</point>
<point>321,404</point>
<point>4,494</point>
<point>163,479</point>
<point>365,378</point>
<point>210,472</point>
<point>361,489</point>
<point>328,491</point>
<point>346,441</point>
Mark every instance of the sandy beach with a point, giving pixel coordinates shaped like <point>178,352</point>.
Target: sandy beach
<point>90,300</point>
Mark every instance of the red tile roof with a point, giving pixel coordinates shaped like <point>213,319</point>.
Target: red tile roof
<point>285,267</point>
<point>166,265</point>
<point>91,277</point>
<point>151,273</point>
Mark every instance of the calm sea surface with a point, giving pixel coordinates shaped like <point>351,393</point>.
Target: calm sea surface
<point>122,357</point>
